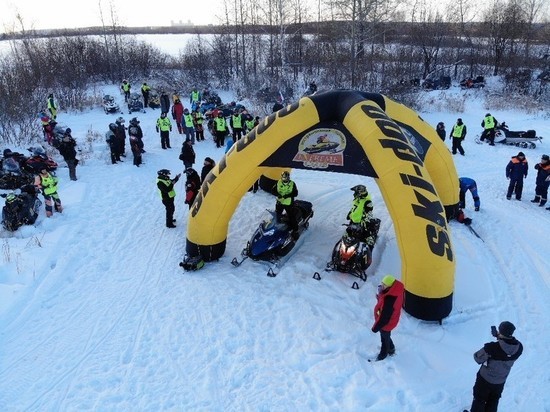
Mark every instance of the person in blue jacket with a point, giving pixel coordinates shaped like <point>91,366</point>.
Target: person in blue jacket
<point>468,184</point>
<point>516,171</point>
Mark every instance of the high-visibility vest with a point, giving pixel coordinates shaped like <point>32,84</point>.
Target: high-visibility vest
<point>237,121</point>
<point>164,124</point>
<point>167,182</point>
<point>220,124</point>
<point>284,189</point>
<point>188,120</point>
<point>457,130</point>
<point>49,184</point>
<point>489,122</point>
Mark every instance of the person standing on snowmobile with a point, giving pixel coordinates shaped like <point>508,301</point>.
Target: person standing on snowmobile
<point>361,212</point>
<point>543,180</point>
<point>489,124</point>
<point>47,184</point>
<point>389,301</point>
<point>167,193</point>
<point>286,190</point>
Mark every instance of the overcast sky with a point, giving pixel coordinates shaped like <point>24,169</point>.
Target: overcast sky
<point>84,13</point>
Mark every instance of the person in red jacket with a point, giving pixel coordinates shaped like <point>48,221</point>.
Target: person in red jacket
<point>387,311</point>
<point>177,114</point>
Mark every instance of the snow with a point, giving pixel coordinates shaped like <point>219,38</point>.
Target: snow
<point>96,314</point>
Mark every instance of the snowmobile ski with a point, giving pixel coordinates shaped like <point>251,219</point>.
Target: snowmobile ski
<point>475,233</point>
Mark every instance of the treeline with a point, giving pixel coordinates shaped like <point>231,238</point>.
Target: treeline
<point>263,50</point>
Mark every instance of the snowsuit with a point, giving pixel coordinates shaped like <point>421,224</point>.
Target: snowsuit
<point>516,170</point>
<point>187,155</point>
<point>188,126</point>
<point>496,360</point>
<point>120,139</point>
<point>361,213</point>
<point>386,316</point>
<point>111,141</point>
<point>458,134</point>
<point>47,184</point>
<point>67,150</point>
<point>164,126</point>
<point>164,102</point>
<point>52,107</point>
<point>192,186</point>
<point>440,129</point>
<point>198,120</point>
<point>286,192</point>
<point>136,143</point>
<point>468,184</point>
<point>208,166</point>
<point>125,87</point>
<point>236,122</point>
<point>542,183</point>
<point>489,124</point>
<point>177,115</point>
<point>145,91</point>
<point>167,193</point>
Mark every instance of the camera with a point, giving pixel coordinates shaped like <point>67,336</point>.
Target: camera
<point>494,331</point>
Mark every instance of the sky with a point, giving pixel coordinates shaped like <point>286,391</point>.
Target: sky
<point>70,14</point>
<point>96,314</point>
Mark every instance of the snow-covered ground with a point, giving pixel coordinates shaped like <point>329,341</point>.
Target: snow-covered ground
<point>96,314</point>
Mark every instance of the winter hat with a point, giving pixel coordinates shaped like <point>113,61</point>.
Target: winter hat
<point>506,329</point>
<point>388,280</point>
<point>520,154</point>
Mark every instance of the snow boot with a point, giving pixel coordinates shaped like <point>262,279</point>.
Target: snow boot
<point>542,202</point>
<point>536,199</point>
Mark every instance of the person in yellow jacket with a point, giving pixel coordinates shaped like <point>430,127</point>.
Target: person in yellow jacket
<point>145,92</point>
<point>286,190</point>
<point>125,87</point>
<point>52,106</point>
<point>46,183</point>
<point>164,126</point>
<point>167,193</point>
<point>361,213</point>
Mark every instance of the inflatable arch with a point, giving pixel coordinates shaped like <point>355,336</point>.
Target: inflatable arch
<point>359,133</point>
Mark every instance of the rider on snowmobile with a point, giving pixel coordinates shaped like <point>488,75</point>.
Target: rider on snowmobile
<point>286,190</point>
<point>361,213</point>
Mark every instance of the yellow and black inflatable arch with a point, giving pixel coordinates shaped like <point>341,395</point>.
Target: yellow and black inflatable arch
<point>357,133</point>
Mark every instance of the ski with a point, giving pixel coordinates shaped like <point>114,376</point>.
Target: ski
<point>355,285</point>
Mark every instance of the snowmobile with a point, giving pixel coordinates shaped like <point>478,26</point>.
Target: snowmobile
<point>323,145</point>
<point>11,174</point>
<point>274,239</point>
<point>20,209</point>
<point>469,83</point>
<point>135,104</point>
<point>109,104</point>
<point>523,139</point>
<point>351,254</point>
<point>154,101</point>
<point>37,161</point>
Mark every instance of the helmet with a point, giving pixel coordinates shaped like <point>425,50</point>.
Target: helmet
<point>545,157</point>
<point>190,171</point>
<point>163,115</point>
<point>285,176</point>
<point>120,120</point>
<point>112,127</point>
<point>134,121</point>
<point>7,152</point>
<point>163,172</point>
<point>488,114</point>
<point>359,191</point>
<point>68,130</point>
<point>186,111</point>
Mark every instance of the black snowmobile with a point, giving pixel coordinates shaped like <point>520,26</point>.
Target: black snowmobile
<point>20,209</point>
<point>351,254</point>
<point>135,104</point>
<point>274,239</point>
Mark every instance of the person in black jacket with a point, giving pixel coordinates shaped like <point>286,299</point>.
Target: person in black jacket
<point>192,186</point>
<point>120,137</point>
<point>496,360</point>
<point>516,171</point>
<point>136,143</point>
<point>208,165</point>
<point>543,180</point>
<point>167,193</point>
<point>187,155</point>
<point>440,129</point>
<point>67,149</point>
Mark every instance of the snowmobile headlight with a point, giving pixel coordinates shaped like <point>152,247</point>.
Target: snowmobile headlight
<point>269,232</point>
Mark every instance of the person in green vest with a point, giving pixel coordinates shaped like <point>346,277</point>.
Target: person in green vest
<point>189,126</point>
<point>195,98</point>
<point>164,126</point>
<point>52,106</point>
<point>167,193</point>
<point>458,134</point>
<point>489,124</point>
<point>361,213</point>
<point>145,91</point>
<point>125,87</point>
<point>198,120</point>
<point>220,129</point>
<point>46,183</point>
<point>286,190</point>
<point>236,123</point>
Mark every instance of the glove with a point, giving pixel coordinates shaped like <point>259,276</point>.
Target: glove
<point>467,221</point>
<point>157,129</point>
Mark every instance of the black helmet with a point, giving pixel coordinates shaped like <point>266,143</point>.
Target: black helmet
<point>134,121</point>
<point>164,172</point>
<point>112,127</point>
<point>120,120</point>
<point>68,130</point>
<point>359,191</point>
<point>285,176</point>
<point>488,114</point>
<point>545,157</point>
<point>163,115</point>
